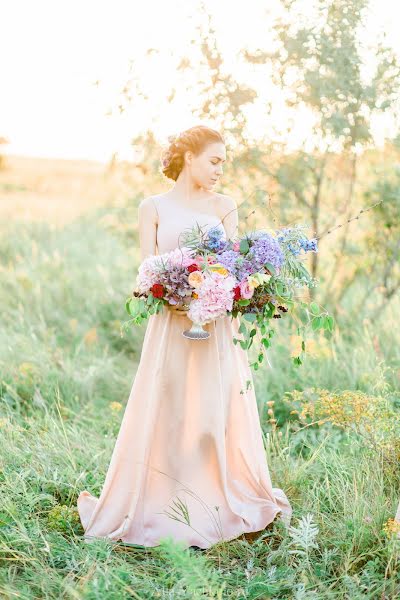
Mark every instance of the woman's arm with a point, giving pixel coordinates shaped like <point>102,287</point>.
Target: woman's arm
<point>147,221</point>
<point>228,213</point>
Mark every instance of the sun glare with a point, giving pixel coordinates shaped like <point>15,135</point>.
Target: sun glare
<point>65,64</point>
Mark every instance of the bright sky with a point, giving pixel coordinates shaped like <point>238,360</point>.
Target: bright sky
<point>52,52</point>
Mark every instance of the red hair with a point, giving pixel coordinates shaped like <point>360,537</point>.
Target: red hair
<point>194,139</point>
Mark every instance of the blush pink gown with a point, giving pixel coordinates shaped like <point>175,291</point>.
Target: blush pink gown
<point>189,460</point>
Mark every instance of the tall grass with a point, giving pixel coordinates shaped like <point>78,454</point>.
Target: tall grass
<point>65,375</point>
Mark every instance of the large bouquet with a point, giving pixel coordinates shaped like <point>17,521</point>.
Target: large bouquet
<point>257,276</point>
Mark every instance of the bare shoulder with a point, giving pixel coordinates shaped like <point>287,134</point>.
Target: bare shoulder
<point>223,204</point>
<point>147,209</point>
<point>148,202</point>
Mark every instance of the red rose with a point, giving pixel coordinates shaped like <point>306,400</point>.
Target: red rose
<point>193,267</point>
<point>157,290</point>
<point>236,292</point>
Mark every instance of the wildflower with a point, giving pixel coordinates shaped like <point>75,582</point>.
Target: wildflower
<point>115,406</point>
<point>391,527</point>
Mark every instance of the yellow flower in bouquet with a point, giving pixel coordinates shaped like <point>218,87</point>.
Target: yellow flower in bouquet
<point>195,279</point>
<point>218,268</point>
<point>252,281</point>
<point>259,278</point>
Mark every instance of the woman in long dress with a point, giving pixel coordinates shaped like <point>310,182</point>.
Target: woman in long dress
<point>189,460</point>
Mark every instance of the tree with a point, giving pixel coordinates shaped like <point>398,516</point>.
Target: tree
<point>319,65</point>
<point>383,240</point>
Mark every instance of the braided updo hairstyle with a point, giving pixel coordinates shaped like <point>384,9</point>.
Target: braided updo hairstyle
<point>194,139</point>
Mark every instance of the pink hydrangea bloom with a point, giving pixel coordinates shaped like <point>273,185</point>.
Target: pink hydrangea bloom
<point>215,298</point>
<point>147,274</point>
<point>182,257</point>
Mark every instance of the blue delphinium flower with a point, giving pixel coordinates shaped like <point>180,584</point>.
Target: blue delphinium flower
<point>293,249</point>
<point>266,249</point>
<point>214,241</point>
<point>309,245</point>
<point>295,241</point>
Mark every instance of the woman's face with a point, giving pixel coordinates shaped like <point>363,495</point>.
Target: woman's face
<point>206,168</point>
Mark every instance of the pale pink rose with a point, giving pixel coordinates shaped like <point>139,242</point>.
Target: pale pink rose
<point>246,290</point>
<point>236,246</point>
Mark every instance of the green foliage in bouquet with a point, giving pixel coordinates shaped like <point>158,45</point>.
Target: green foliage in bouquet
<point>278,292</point>
<point>139,307</point>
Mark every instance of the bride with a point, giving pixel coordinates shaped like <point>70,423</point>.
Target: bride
<point>189,460</point>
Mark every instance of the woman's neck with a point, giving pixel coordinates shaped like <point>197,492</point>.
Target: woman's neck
<point>187,192</point>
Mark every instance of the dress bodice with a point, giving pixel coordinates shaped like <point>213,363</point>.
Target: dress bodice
<point>173,220</point>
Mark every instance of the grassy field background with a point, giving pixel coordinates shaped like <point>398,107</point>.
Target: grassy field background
<point>68,260</point>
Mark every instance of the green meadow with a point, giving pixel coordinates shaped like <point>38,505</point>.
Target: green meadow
<point>68,260</point>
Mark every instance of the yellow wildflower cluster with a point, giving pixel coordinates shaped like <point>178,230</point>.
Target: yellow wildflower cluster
<point>391,527</point>
<point>344,409</point>
<point>371,416</point>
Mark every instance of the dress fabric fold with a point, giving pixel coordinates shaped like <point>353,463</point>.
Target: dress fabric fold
<point>189,460</point>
